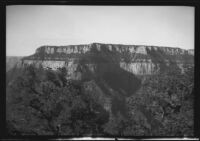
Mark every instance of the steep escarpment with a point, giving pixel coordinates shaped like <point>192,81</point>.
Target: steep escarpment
<point>99,68</point>
<point>137,59</point>
<point>104,89</point>
<point>111,67</point>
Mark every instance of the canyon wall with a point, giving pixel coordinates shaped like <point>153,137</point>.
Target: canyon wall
<point>137,59</point>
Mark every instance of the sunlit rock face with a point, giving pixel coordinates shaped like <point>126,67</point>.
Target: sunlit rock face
<point>140,67</point>
<point>76,49</point>
<point>46,63</point>
<point>137,59</point>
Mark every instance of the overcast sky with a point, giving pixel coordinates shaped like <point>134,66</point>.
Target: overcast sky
<point>28,27</point>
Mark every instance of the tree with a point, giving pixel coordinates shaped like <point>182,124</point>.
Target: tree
<point>44,102</point>
<point>166,97</point>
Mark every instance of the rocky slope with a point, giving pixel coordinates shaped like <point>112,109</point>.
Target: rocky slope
<point>137,59</point>
<point>12,61</point>
<point>107,72</point>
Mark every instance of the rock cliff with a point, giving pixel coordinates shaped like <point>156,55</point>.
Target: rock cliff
<point>108,71</point>
<point>137,59</point>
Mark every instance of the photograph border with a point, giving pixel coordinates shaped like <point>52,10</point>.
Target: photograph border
<point>193,3</point>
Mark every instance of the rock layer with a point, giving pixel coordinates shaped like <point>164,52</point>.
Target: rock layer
<point>137,59</point>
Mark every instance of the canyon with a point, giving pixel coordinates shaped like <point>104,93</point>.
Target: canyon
<point>119,78</point>
<point>137,59</point>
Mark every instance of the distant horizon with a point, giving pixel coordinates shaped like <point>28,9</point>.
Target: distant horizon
<point>31,26</point>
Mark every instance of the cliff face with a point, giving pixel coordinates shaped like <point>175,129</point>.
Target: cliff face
<point>108,71</point>
<point>137,59</point>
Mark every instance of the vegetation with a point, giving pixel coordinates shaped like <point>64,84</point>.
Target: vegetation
<point>44,102</point>
<point>166,103</point>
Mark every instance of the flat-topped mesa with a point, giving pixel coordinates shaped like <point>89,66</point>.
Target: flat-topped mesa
<point>137,59</point>
<point>63,52</point>
<point>64,49</point>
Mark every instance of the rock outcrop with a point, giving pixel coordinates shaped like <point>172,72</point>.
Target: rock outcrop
<point>108,71</point>
<point>137,59</point>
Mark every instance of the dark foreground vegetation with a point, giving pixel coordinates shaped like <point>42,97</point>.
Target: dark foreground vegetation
<point>44,102</point>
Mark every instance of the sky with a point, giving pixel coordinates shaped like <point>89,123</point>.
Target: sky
<point>31,26</point>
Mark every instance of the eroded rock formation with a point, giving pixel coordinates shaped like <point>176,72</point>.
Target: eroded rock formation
<point>137,59</point>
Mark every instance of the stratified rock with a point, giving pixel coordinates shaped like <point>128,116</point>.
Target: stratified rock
<point>137,59</point>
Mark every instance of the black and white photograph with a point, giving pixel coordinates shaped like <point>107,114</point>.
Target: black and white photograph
<point>100,71</point>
